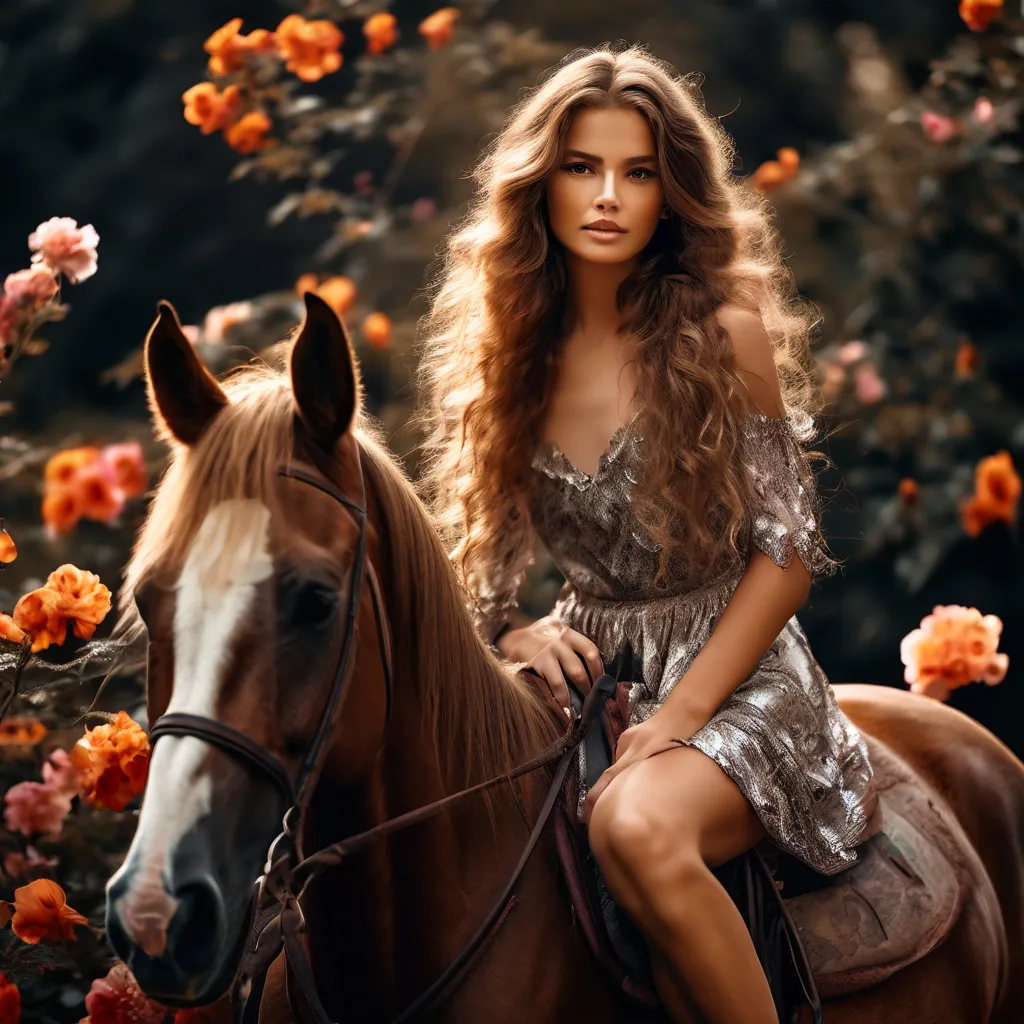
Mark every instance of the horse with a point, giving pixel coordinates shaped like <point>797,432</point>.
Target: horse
<point>244,578</point>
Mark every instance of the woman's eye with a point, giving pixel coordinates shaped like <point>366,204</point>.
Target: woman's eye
<point>571,168</point>
<point>644,172</point>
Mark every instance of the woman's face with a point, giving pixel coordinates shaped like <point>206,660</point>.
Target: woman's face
<point>607,170</point>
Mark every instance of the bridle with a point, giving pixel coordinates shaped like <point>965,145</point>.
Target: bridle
<point>277,921</point>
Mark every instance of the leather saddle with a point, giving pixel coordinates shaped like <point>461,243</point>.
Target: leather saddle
<point>817,936</point>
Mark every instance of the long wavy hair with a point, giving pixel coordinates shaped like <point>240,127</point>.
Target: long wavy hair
<point>496,302</point>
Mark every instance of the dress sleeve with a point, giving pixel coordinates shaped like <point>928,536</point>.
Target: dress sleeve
<point>784,516</point>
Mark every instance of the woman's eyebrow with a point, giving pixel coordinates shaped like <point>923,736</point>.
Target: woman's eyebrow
<point>597,160</point>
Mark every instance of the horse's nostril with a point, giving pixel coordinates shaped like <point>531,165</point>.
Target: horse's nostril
<point>197,927</point>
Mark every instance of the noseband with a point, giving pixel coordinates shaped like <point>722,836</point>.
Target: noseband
<point>277,920</point>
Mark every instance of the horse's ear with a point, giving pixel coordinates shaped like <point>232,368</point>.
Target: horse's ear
<point>324,378</point>
<point>183,394</point>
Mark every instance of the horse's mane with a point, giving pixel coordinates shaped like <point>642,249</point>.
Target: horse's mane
<point>483,717</point>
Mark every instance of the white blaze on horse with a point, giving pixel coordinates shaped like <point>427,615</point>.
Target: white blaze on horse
<point>248,582</point>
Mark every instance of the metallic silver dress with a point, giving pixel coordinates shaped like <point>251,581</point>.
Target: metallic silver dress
<point>780,735</point>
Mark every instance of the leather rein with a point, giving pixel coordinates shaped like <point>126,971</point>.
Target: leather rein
<point>276,918</point>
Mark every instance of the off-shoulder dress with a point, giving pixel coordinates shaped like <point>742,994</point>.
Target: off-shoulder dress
<point>780,735</point>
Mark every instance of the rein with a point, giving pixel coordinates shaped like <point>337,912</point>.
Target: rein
<point>277,921</point>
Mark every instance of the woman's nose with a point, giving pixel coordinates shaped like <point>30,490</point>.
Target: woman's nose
<point>607,196</point>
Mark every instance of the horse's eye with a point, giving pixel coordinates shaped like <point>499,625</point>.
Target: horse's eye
<point>315,605</point>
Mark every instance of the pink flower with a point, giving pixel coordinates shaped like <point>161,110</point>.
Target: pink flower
<point>32,288</point>
<point>65,247</point>
<point>61,775</point>
<point>852,351</point>
<point>983,110</point>
<point>952,647</point>
<point>869,387</point>
<point>117,999</point>
<point>221,318</point>
<point>126,463</point>
<point>34,807</point>
<point>937,127</point>
<point>423,209</point>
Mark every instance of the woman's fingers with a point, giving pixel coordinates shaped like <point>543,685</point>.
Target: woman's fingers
<point>572,654</point>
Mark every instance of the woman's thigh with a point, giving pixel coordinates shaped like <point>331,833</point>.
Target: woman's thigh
<point>676,803</point>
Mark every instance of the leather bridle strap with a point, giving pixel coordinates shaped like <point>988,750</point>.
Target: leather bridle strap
<point>231,741</point>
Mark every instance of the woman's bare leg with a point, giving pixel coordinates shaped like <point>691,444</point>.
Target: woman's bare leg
<point>657,831</point>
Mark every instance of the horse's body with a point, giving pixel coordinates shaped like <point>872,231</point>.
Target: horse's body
<point>386,922</point>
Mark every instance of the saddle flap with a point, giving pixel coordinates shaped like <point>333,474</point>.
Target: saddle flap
<point>897,902</point>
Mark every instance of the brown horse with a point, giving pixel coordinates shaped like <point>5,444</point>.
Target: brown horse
<point>240,576</point>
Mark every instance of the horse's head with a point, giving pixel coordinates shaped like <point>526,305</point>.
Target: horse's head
<point>243,578</point>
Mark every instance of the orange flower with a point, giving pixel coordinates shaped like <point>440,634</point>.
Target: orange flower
<point>114,762</point>
<point>306,283</point>
<point>774,172</point>
<point>979,14</point>
<point>967,360</point>
<point>41,911</point>
<point>997,483</point>
<point>310,48</point>
<point>439,27</point>
<point>61,510</point>
<point>339,293</point>
<point>70,594</point>
<point>377,330</point>
<point>211,109</point>
<point>10,1002</point>
<point>81,597</point>
<point>37,614</point>
<point>908,490</point>
<point>63,467</point>
<point>97,493</point>
<point>10,630</point>
<point>15,731</point>
<point>381,32</point>
<point>228,50</point>
<point>248,134</point>
<point>8,549</point>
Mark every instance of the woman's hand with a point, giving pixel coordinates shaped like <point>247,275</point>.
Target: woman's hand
<point>554,653</point>
<point>642,741</point>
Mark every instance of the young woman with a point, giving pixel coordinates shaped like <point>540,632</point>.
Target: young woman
<point>615,363</point>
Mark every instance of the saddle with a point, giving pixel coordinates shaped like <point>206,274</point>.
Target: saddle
<point>817,936</point>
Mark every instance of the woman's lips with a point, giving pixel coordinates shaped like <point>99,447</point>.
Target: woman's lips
<point>604,234</point>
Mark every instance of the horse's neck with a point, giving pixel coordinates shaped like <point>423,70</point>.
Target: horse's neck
<point>385,924</point>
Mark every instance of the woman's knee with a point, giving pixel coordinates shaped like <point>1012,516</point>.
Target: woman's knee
<point>627,834</point>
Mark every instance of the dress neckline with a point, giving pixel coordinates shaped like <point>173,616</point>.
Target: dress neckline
<point>607,456</point>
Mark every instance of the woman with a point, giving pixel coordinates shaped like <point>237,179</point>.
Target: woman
<point>615,364</point>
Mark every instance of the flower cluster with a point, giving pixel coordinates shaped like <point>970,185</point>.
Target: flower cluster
<point>997,488</point>
<point>952,647</point>
<point>340,294</point>
<point>91,483</point>
<point>70,595</point>
<point>308,49</point>
<point>59,247</point>
<point>114,762</point>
